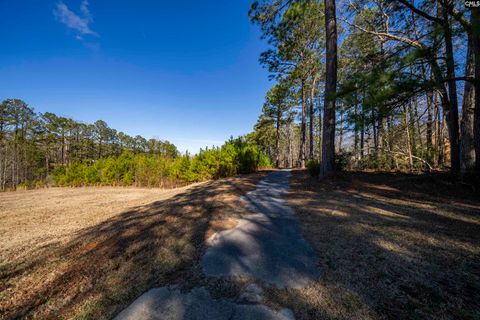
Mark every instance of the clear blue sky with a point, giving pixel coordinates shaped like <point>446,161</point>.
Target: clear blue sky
<point>186,71</point>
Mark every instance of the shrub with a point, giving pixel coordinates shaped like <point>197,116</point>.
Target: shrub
<point>264,161</point>
<point>234,157</point>
<point>313,167</point>
<point>342,161</point>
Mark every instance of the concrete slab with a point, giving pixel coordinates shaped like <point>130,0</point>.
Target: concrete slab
<point>267,246</point>
<point>168,303</point>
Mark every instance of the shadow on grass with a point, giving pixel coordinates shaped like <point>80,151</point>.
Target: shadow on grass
<point>391,246</point>
<point>105,267</point>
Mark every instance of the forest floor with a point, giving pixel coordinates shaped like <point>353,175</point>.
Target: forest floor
<point>392,246</point>
<point>389,246</point>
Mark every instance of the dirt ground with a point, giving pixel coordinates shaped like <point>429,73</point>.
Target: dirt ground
<point>86,253</point>
<point>391,246</point>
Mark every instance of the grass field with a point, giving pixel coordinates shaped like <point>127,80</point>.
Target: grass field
<point>86,253</point>
<point>391,246</point>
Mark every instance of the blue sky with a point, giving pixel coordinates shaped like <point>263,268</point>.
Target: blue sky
<point>186,71</point>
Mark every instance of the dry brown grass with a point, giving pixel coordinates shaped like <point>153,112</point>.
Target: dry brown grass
<point>87,253</point>
<point>391,246</point>
<point>36,218</point>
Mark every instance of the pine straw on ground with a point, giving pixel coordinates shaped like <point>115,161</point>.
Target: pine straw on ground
<point>390,246</point>
<point>104,258</point>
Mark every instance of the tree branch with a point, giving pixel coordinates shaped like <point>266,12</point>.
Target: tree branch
<point>421,13</point>
<point>413,43</point>
<point>458,15</point>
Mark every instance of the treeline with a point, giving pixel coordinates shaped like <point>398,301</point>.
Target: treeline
<point>145,170</point>
<point>405,77</point>
<point>46,149</point>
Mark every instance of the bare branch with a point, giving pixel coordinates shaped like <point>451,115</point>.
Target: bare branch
<point>390,36</point>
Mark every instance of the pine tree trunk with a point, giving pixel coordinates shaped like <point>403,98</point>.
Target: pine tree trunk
<point>277,141</point>
<point>312,118</point>
<point>362,137</point>
<point>476,54</point>
<point>303,128</point>
<point>407,138</point>
<point>417,123</point>
<point>310,130</point>
<point>452,115</point>
<point>355,135</point>
<point>411,123</point>
<point>289,132</point>
<point>340,133</point>
<point>467,147</point>
<point>327,166</point>
<point>375,136</point>
<point>429,127</point>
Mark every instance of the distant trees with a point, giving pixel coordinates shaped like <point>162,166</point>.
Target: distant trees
<point>33,145</point>
<point>40,149</point>
<point>278,103</point>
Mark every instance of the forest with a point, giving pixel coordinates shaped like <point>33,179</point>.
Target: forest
<point>386,85</point>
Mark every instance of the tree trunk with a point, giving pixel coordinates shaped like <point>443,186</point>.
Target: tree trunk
<point>417,122</point>
<point>355,135</point>
<point>375,136</point>
<point>312,118</point>
<point>289,145</point>
<point>303,133</point>
<point>452,115</point>
<point>277,140</point>
<point>362,136</point>
<point>467,148</point>
<point>476,54</point>
<point>393,159</point>
<point>429,126</point>
<point>310,129</point>
<point>340,133</point>
<point>327,166</point>
<point>411,123</point>
<point>407,138</point>
<point>320,132</point>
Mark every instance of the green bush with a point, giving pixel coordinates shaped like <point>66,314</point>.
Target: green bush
<point>342,161</point>
<point>234,157</point>
<point>313,167</point>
